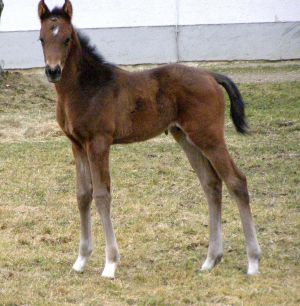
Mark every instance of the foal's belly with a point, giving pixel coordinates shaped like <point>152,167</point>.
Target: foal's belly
<point>141,131</point>
<point>138,137</point>
<point>140,125</point>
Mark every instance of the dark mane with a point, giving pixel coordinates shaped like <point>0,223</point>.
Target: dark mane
<point>95,71</point>
<point>88,49</point>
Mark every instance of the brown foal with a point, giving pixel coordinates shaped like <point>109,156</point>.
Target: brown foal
<point>100,105</point>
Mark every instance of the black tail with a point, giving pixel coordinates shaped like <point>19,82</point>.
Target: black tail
<point>237,108</point>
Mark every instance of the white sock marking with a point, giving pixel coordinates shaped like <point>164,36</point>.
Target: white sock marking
<point>109,270</point>
<point>208,264</point>
<point>253,267</point>
<point>80,263</point>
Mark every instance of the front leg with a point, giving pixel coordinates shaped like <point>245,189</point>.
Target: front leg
<point>98,155</point>
<point>84,199</point>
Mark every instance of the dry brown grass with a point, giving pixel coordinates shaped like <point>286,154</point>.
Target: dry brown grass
<point>27,108</point>
<point>159,210</point>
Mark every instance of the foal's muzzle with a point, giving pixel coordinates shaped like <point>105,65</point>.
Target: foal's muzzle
<point>53,74</point>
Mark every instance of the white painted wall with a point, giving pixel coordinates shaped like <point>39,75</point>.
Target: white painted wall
<point>237,11</point>
<point>145,31</point>
<point>21,15</point>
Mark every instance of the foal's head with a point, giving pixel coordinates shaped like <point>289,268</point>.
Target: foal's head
<point>56,36</point>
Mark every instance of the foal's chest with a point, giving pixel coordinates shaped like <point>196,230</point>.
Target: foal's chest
<point>66,120</point>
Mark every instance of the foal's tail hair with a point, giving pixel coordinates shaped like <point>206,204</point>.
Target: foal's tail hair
<point>237,107</point>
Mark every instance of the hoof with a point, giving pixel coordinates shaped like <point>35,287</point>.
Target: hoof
<point>109,270</point>
<point>210,263</point>
<point>80,264</point>
<point>253,267</point>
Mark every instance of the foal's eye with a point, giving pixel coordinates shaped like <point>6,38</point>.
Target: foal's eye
<point>67,41</point>
<point>42,41</point>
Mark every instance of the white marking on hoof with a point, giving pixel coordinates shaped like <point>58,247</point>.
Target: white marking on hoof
<point>210,263</point>
<point>80,264</point>
<point>109,270</point>
<point>253,267</point>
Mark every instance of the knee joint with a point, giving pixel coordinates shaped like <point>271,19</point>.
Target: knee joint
<point>239,187</point>
<point>84,197</point>
<point>241,191</point>
<point>101,195</point>
<point>213,186</point>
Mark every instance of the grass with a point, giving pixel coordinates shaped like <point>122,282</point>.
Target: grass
<point>159,211</point>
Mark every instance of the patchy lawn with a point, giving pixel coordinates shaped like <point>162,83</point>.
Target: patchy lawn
<point>159,210</point>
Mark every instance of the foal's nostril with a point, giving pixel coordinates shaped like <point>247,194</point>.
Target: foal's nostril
<point>57,70</point>
<point>53,73</point>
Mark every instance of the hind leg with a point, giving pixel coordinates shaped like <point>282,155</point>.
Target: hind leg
<point>214,148</point>
<point>212,186</point>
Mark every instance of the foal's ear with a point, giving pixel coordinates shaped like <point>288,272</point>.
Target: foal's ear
<point>43,9</point>
<point>68,9</point>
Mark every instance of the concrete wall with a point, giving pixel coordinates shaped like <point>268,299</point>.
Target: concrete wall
<point>155,31</point>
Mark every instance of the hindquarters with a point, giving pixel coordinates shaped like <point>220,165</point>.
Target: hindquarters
<point>199,95</point>
<point>201,106</point>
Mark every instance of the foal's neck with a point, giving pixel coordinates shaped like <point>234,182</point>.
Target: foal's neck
<point>85,71</point>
